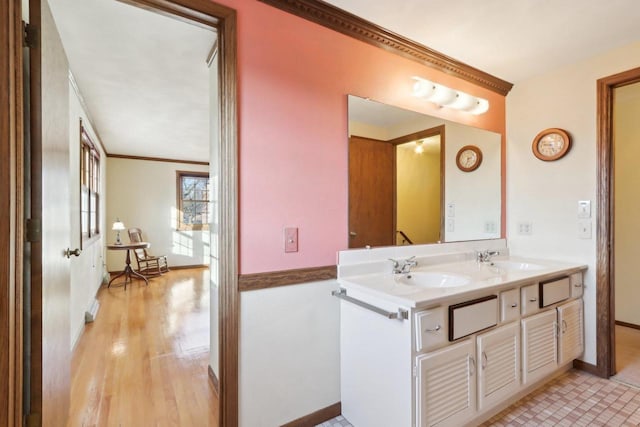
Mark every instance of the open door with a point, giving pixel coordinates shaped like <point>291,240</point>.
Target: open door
<point>47,338</point>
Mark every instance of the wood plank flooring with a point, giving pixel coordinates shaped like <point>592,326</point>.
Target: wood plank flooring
<point>144,361</point>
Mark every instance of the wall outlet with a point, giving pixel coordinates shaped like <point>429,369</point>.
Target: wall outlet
<point>525,228</point>
<point>451,224</point>
<point>584,209</point>
<point>584,229</point>
<point>490,227</point>
<point>291,239</point>
<point>451,210</point>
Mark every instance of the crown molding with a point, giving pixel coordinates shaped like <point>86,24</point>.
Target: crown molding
<point>351,25</point>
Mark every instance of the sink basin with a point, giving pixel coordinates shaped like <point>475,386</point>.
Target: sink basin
<point>516,266</point>
<point>434,280</point>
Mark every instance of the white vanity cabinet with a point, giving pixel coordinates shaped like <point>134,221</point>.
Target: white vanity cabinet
<point>498,356</point>
<point>539,346</point>
<point>571,331</point>
<point>445,385</point>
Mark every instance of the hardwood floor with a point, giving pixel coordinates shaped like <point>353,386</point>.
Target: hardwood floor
<point>627,356</point>
<point>144,361</point>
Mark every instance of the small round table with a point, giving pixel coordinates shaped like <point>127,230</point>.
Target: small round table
<point>128,271</point>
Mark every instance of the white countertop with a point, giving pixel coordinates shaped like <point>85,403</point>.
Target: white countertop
<point>481,276</point>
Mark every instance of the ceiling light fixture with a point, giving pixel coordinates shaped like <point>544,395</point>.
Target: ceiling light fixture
<point>419,147</point>
<point>447,97</point>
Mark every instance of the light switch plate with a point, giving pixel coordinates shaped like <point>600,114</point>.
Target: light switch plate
<point>584,229</point>
<point>291,239</point>
<point>451,224</point>
<point>451,210</point>
<point>584,209</point>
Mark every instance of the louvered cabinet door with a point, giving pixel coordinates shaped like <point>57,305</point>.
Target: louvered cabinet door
<point>446,386</point>
<point>539,346</point>
<point>571,340</point>
<point>498,364</point>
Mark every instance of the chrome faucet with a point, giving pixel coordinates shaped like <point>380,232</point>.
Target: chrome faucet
<point>403,266</point>
<point>485,256</point>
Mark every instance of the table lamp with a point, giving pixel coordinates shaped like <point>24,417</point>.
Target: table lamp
<point>118,226</point>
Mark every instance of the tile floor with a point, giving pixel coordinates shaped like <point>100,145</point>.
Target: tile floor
<point>575,398</point>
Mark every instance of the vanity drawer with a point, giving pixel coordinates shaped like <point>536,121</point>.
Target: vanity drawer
<point>509,305</point>
<point>554,291</point>
<point>529,296</point>
<point>577,285</point>
<point>472,316</point>
<point>431,329</point>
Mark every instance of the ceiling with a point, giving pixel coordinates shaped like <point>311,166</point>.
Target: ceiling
<point>510,39</point>
<point>143,77</point>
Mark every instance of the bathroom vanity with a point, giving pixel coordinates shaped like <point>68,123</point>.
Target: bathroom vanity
<point>454,340</point>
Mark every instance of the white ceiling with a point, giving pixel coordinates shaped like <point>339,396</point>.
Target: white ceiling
<point>142,75</point>
<point>511,39</point>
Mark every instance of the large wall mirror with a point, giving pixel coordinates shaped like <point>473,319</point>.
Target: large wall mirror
<point>413,178</point>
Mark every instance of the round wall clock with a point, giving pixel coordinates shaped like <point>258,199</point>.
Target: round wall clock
<point>469,158</point>
<point>551,144</point>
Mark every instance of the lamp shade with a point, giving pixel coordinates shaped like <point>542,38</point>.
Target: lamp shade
<point>118,226</point>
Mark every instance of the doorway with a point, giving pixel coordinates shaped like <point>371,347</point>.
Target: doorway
<point>225,161</point>
<point>606,227</point>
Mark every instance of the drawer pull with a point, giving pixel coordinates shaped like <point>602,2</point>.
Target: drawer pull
<point>436,329</point>
<point>514,305</point>
<point>577,285</point>
<point>533,299</point>
<point>472,366</point>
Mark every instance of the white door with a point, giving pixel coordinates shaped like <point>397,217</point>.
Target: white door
<point>498,364</point>
<point>571,339</point>
<point>445,382</point>
<point>539,346</point>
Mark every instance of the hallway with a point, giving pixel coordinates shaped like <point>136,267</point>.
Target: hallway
<point>144,361</point>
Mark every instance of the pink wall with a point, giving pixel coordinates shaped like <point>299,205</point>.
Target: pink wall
<point>294,77</point>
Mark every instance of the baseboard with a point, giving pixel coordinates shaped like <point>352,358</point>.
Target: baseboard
<point>587,367</point>
<point>627,325</point>
<point>213,379</point>
<point>171,267</point>
<point>317,417</point>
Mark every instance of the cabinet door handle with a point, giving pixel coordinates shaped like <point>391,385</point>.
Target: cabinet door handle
<point>436,329</point>
<point>514,305</point>
<point>533,299</point>
<point>577,285</point>
<point>564,326</point>
<point>472,366</point>
<point>484,360</point>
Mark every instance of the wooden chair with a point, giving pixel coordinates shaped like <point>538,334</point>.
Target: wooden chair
<point>148,265</point>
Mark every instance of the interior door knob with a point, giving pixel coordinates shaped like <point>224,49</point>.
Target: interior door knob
<point>353,234</point>
<point>68,252</point>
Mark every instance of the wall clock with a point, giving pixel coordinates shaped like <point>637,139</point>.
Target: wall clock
<point>469,158</point>
<point>551,144</point>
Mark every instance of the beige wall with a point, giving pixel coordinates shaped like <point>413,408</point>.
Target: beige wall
<point>142,194</point>
<point>547,193</point>
<point>418,191</point>
<point>627,209</point>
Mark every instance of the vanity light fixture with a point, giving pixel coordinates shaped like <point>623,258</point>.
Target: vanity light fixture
<point>447,97</point>
<point>419,147</point>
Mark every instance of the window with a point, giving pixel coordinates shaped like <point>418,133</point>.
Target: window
<point>193,200</point>
<point>89,186</point>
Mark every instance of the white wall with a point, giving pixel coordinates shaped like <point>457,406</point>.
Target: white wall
<point>546,193</point>
<point>142,194</point>
<point>87,269</point>
<point>290,353</point>
<point>626,131</point>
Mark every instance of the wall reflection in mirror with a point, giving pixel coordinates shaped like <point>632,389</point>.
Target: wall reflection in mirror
<point>405,186</point>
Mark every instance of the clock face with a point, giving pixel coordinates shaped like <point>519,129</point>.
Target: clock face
<point>551,145</point>
<point>469,158</point>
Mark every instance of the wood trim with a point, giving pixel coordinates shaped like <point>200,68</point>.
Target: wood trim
<point>188,267</point>
<point>426,133</point>
<point>605,280</point>
<point>587,367</point>
<point>317,417</point>
<point>11,167</point>
<point>627,325</point>
<point>213,380</point>
<point>354,26</point>
<point>202,13</point>
<point>157,159</point>
<point>274,279</point>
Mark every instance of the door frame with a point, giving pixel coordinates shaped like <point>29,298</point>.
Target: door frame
<point>605,274</point>
<point>11,227</point>
<point>208,14</point>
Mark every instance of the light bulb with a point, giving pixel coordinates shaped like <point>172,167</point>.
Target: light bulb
<point>423,88</point>
<point>419,147</point>
<point>481,107</point>
<point>442,95</point>
<point>463,102</point>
